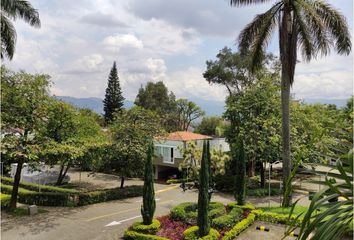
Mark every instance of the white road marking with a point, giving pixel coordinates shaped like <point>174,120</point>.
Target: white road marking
<point>120,222</point>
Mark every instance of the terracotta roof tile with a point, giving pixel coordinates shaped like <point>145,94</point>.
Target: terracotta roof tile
<point>185,136</point>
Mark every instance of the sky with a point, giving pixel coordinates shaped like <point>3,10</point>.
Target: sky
<point>155,40</point>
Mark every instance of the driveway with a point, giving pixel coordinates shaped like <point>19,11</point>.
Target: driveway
<point>99,221</point>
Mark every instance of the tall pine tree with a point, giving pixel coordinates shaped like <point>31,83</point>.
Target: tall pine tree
<point>113,100</point>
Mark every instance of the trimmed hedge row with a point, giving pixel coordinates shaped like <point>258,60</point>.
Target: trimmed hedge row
<point>35,187</point>
<point>277,218</point>
<point>192,234</point>
<point>228,220</point>
<point>239,227</point>
<point>5,200</point>
<point>148,229</point>
<point>132,235</point>
<point>187,212</point>
<point>247,206</point>
<point>260,192</point>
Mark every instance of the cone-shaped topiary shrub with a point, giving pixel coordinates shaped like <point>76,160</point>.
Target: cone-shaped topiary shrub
<point>149,204</point>
<point>240,179</point>
<point>203,197</point>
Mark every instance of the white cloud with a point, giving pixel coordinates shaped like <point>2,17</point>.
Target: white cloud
<point>121,41</point>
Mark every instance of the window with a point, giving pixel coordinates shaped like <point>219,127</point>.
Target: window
<point>166,152</point>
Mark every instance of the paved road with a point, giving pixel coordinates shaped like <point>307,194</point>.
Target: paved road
<point>89,222</point>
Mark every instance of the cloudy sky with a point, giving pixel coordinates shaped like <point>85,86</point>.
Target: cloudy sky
<point>154,40</point>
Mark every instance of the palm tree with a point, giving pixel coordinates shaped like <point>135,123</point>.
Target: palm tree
<point>313,27</point>
<point>11,10</point>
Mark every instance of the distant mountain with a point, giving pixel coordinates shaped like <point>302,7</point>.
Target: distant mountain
<point>211,108</point>
<point>95,104</point>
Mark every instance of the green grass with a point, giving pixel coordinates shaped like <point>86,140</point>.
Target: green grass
<point>280,210</point>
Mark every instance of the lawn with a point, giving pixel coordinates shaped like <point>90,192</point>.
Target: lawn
<point>280,210</point>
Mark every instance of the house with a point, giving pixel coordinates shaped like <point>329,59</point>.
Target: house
<point>168,155</point>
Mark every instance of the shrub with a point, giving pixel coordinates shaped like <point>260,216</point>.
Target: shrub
<point>276,218</point>
<point>47,199</point>
<point>171,229</point>
<point>187,212</point>
<point>247,206</point>
<point>260,192</point>
<point>173,181</point>
<point>228,220</point>
<point>239,227</point>
<point>150,229</point>
<point>36,187</point>
<point>7,189</point>
<point>192,234</point>
<point>132,235</point>
<point>5,200</point>
<point>86,198</point>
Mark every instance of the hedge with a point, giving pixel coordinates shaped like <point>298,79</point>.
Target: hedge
<point>7,189</point>
<point>147,229</point>
<point>132,235</point>
<point>247,206</point>
<point>187,212</point>
<point>172,181</point>
<point>86,198</point>
<point>239,227</point>
<point>192,234</point>
<point>36,187</point>
<point>5,200</point>
<point>228,220</point>
<point>260,192</point>
<point>276,218</point>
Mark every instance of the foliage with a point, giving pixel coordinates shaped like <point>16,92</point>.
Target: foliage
<point>239,227</point>
<point>192,155</point>
<point>132,235</point>
<point>132,130</point>
<point>238,155</point>
<point>218,161</point>
<point>209,126</point>
<point>280,210</point>
<point>114,100</point>
<point>174,181</point>
<point>171,229</point>
<point>10,11</point>
<point>336,217</point>
<point>23,108</point>
<point>149,203</point>
<point>276,218</point>
<point>187,112</point>
<point>4,200</point>
<point>261,192</point>
<point>247,206</point>
<point>203,196</point>
<point>192,234</point>
<point>155,97</point>
<point>141,227</point>
<point>228,220</point>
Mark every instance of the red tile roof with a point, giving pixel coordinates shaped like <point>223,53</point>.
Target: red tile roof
<point>185,136</point>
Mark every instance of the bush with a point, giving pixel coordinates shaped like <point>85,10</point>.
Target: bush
<point>187,212</point>
<point>5,200</point>
<point>260,192</point>
<point>228,220</point>
<point>149,229</point>
<point>7,189</point>
<point>36,187</point>
<point>239,227</point>
<point>86,198</point>
<point>247,206</point>
<point>173,181</point>
<point>192,234</point>
<point>132,235</point>
<point>276,218</point>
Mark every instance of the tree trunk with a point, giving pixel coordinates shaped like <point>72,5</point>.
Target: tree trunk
<point>59,176</point>
<point>122,182</point>
<point>251,168</point>
<point>13,201</point>
<point>286,79</point>
<point>62,175</point>
<point>262,171</point>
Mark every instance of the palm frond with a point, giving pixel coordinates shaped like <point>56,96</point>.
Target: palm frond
<point>254,38</point>
<point>8,38</point>
<point>239,3</point>
<point>336,24</point>
<point>25,11</point>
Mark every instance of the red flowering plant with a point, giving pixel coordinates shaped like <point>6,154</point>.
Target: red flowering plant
<point>171,229</point>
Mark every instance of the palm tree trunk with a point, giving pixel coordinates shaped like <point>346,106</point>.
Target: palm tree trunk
<point>286,71</point>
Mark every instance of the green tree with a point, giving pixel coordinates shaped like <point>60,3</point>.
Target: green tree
<point>149,204</point>
<point>311,26</point>
<point>155,97</point>
<point>131,131</point>
<point>187,112</point>
<point>10,11</point>
<point>24,100</point>
<point>203,197</point>
<point>209,126</point>
<point>114,99</point>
